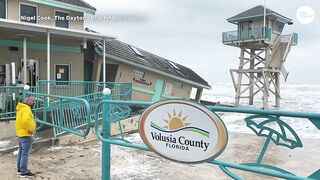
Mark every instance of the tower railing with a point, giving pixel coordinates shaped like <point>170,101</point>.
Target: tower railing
<point>286,38</point>
<point>249,34</point>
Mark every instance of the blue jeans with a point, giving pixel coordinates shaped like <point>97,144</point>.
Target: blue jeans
<point>25,145</point>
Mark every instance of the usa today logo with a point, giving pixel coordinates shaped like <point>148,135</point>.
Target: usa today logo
<point>305,15</point>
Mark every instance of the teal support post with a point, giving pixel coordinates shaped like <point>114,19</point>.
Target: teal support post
<point>106,151</point>
<point>264,149</point>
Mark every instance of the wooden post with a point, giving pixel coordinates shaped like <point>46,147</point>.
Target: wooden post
<point>239,78</point>
<point>266,82</point>
<point>277,93</point>
<point>252,54</point>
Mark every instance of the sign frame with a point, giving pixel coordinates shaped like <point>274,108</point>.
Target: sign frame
<point>221,129</point>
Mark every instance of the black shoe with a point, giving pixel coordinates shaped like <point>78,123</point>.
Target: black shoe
<point>29,174</point>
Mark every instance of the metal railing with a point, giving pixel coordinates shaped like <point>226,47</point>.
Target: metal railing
<point>286,38</point>
<point>89,90</point>
<point>72,115</point>
<point>256,33</point>
<point>120,91</point>
<point>258,120</point>
<point>63,114</point>
<point>10,96</point>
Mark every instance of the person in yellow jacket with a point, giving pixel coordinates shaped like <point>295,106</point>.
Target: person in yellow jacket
<point>25,128</point>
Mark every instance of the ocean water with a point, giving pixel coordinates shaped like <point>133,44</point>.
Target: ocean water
<point>294,97</point>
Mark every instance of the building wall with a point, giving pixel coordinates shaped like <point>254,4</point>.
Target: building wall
<point>125,74</point>
<point>274,34</point>
<point>73,59</point>
<point>60,56</point>
<point>43,11</point>
<point>258,23</point>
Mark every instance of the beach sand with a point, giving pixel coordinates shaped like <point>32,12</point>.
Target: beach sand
<point>83,161</point>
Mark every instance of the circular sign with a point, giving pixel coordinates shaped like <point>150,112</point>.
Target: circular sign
<point>183,131</point>
<point>305,14</point>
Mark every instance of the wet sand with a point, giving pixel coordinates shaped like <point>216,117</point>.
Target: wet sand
<point>83,161</point>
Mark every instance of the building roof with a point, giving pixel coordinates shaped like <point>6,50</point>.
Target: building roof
<point>35,29</point>
<point>79,3</point>
<point>147,60</point>
<point>257,12</point>
<point>73,5</point>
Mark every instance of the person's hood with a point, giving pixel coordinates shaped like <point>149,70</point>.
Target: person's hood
<point>22,106</point>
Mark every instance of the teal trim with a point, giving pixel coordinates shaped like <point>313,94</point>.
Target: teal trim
<point>147,91</point>
<point>264,169</point>
<point>279,137</point>
<point>106,133</point>
<point>264,148</point>
<point>315,175</point>
<point>65,6</point>
<point>171,97</point>
<point>316,122</point>
<point>158,89</point>
<point>40,46</point>
<point>268,167</point>
<point>62,107</point>
<point>97,50</point>
<point>108,113</point>
<point>229,173</point>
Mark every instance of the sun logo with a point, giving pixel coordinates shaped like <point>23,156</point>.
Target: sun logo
<point>175,121</point>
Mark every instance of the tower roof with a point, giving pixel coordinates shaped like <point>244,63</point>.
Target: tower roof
<point>257,12</point>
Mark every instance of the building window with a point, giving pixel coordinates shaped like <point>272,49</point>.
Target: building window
<point>62,73</point>
<point>278,26</point>
<point>178,85</point>
<point>138,74</point>
<point>168,89</point>
<point>173,65</point>
<point>3,8</point>
<point>28,13</point>
<point>61,19</point>
<point>136,51</point>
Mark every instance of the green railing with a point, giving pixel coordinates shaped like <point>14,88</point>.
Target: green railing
<point>9,98</point>
<point>120,91</point>
<point>89,90</point>
<point>258,120</point>
<point>256,33</point>
<point>264,123</point>
<point>63,114</point>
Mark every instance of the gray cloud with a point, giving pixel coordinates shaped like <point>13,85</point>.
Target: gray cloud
<point>189,32</point>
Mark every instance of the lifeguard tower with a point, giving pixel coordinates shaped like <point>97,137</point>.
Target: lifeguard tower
<point>264,50</point>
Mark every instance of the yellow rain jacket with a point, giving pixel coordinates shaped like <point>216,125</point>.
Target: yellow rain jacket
<point>25,123</point>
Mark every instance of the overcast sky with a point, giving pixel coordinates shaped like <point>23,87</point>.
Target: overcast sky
<point>189,32</point>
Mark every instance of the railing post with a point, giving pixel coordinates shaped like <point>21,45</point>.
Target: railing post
<point>106,151</point>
